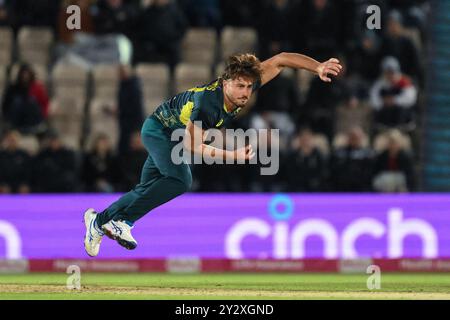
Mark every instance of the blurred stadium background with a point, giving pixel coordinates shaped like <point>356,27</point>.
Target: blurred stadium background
<point>73,102</point>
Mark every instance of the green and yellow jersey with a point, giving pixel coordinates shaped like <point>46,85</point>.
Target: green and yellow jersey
<point>204,103</point>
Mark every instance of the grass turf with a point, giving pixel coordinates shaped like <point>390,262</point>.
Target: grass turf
<point>225,286</point>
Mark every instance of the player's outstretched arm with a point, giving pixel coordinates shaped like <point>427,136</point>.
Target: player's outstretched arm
<point>273,66</point>
<point>194,142</point>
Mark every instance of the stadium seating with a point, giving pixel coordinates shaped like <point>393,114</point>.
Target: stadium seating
<point>103,119</point>
<point>106,81</point>
<point>150,106</point>
<point>6,45</point>
<point>237,40</point>
<point>69,81</point>
<point>199,46</point>
<point>219,69</point>
<point>155,80</point>
<point>34,44</point>
<point>191,75</point>
<point>66,116</point>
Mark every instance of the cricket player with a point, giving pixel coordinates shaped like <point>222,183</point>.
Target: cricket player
<point>214,104</point>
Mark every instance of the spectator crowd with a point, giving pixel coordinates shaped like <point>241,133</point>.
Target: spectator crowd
<point>356,134</point>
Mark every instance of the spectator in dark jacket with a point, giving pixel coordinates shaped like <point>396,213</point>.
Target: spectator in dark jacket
<point>131,111</point>
<point>274,28</point>
<point>397,45</point>
<point>277,105</point>
<point>352,164</point>
<point>25,104</point>
<point>113,16</point>
<point>54,167</point>
<point>161,28</point>
<point>319,107</point>
<point>15,165</point>
<point>5,13</point>
<point>99,166</point>
<point>202,13</point>
<point>306,166</point>
<point>394,167</point>
<point>320,28</point>
<point>366,57</point>
<point>241,13</point>
<point>34,13</point>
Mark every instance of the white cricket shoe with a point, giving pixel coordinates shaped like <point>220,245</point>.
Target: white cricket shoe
<point>94,235</point>
<point>121,232</point>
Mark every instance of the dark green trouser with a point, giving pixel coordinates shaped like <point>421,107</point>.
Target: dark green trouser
<point>161,179</point>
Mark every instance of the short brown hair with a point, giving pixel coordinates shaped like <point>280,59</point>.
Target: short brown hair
<point>242,65</point>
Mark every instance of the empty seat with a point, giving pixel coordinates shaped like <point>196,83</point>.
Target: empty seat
<point>199,46</point>
<point>103,118</point>
<point>106,81</point>
<point>150,106</point>
<point>66,116</point>
<point>155,78</point>
<point>69,80</point>
<point>34,44</point>
<point>219,69</point>
<point>188,76</point>
<point>6,45</point>
<point>237,40</point>
<point>67,106</point>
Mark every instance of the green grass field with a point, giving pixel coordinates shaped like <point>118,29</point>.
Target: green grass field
<point>225,286</point>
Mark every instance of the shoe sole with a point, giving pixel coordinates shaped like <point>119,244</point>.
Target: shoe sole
<point>124,243</point>
<point>85,220</point>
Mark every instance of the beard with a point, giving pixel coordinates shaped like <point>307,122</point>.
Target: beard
<point>240,103</point>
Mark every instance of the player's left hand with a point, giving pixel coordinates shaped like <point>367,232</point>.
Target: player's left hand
<point>329,67</point>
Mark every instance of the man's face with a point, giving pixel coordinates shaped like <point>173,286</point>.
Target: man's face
<point>238,91</point>
<point>394,28</point>
<point>390,76</point>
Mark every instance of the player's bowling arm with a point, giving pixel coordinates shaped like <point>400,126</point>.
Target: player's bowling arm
<point>194,143</point>
<point>273,66</point>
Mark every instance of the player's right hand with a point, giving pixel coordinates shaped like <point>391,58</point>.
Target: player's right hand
<point>244,153</point>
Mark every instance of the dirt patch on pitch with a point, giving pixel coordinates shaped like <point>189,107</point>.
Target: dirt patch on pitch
<point>190,292</point>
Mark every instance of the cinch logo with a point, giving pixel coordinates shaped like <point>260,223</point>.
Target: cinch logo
<point>290,243</point>
<point>13,243</point>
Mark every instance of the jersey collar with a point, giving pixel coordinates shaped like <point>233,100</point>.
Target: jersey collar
<point>232,113</point>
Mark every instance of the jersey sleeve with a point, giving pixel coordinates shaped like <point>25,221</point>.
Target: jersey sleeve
<point>204,110</point>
